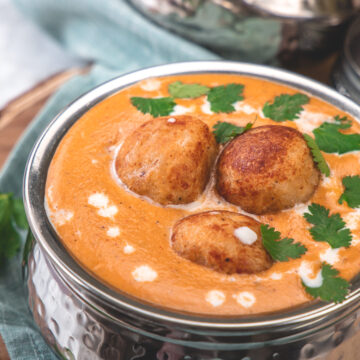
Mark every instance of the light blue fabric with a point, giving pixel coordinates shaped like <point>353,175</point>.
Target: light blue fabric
<point>117,39</point>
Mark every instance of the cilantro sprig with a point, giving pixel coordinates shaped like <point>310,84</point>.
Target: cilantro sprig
<point>12,219</point>
<point>223,97</point>
<point>180,90</point>
<point>280,250</point>
<point>156,107</point>
<point>224,131</point>
<point>333,287</point>
<point>285,107</point>
<point>317,155</point>
<point>329,138</point>
<point>328,228</point>
<point>351,193</point>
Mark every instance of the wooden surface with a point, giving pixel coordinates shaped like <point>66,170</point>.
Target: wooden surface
<point>18,113</point>
<point>3,352</point>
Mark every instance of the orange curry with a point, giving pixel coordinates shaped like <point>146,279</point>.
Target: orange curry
<point>123,239</point>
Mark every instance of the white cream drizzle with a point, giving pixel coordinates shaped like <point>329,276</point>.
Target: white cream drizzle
<point>245,235</point>
<point>128,249</point>
<point>144,273</point>
<point>308,121</point>
<point>245,108</point>
<point>61,217</point>
<point>331,256</point>
<point>245,299</point>
<point>150,85</point>
<point>181,110</point>
<point>206,107</point>
<point>300,209</point>
<point>305,271</point>
<point>352,219</point>
<point>98,200</point>
<point>101,202</point>
<point>113,231</point>
<point>50,193</point>
<point>215,297</point>
<point>276,276</point>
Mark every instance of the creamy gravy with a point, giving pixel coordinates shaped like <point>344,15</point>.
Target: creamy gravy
<point>124,239</point>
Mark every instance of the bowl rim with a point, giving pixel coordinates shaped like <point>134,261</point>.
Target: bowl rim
<point>41,155</point>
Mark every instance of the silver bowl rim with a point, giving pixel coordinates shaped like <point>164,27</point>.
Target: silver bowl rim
<point>35,177</point>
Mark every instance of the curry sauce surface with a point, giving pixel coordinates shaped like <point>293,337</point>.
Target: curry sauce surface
<point>114,247</point>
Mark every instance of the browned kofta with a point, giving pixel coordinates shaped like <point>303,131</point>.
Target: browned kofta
<point>224,241</point>
<point>267,169</point>
<point>168,159</point>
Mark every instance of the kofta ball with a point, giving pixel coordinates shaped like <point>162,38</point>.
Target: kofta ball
<point>168,159</point>
<point>224,241</point>
<point>267,169</point>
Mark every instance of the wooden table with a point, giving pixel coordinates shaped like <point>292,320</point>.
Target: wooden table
<point>18,113</point>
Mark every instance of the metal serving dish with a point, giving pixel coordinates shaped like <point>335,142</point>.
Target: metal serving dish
<point>260,31</point>
<point>346,74</point>
<point>82,318</point>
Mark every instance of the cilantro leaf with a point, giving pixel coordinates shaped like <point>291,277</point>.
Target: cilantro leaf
<point>222,97</point>
<point>156,107</point>
<point>330,229</point>
<point>225,131</point>
<point>317,155</point>
<point>285,107</point>
<point>19,214</point>
<point>333,287</point>
<point>343,122</point>
<point>351,193</point>
<point>331,140</point>
<point>11,214</point>
<point>280,250</point>
<point>187,91</point>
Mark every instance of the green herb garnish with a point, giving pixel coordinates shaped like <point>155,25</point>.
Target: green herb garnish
<point>351,193</point>
<point>187,91</point>
<point>285,107</point>
<point>223,97</point>
<point>331,140</point>
<point>317,155</point>
<point>333,287</point>
<point>280,250</point>
<point>12,219</point>
<point>225,131</point>
<point>328,228</point>
<point>156,107</point>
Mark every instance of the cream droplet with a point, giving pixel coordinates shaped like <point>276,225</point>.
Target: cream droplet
<point>245,299</point>
<point>113,231</point>
<point>144,273</point>
<point>245,235</point>
<point>128,249</point>
<point>215,297</point>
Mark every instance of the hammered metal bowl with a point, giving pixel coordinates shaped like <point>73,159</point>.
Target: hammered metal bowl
<point>259,31</point>
<point>82,318</point>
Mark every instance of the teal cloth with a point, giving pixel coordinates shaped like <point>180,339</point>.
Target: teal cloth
<point>117,39</point>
